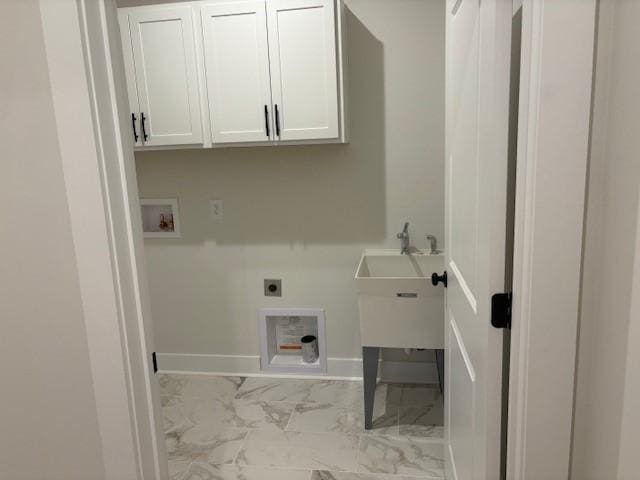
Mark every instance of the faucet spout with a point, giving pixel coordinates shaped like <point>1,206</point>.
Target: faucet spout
<point>405,242</point>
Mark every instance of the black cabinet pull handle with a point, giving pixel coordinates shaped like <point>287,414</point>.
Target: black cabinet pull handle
<point>266,120</point>
<point>277,121</point>
<point>144,130</point>
<point>133,124</point>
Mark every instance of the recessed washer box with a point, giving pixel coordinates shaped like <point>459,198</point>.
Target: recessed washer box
<point>280,332</point>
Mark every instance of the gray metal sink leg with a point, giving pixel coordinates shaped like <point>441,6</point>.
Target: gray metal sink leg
<point>370,357</point>
<point>440,365</point>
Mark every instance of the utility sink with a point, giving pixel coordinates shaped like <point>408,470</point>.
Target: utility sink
<point>399,307</point>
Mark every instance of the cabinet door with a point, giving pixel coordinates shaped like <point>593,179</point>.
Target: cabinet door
<point>130,74</point>
<point>302,52</point>
<point>237,71</point>
<point>164,53</point>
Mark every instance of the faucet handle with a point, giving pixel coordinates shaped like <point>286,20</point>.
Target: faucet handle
<point>433,243</point>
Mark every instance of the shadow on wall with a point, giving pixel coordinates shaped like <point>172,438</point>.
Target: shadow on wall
<point>289,194</point>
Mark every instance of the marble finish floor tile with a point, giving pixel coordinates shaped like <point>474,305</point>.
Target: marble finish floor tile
<point>324,475</point>
<point>204,471</point>
<point>206,444</point>
<point>263,415</point>
<point>342,393</point>
<point>425,421</point>
<point>174,418</point>
<point>179,412</point>
<point>204,386</point>
<point>380,403</point>
<point>322,451</point>
<point>232,428</point>
<point>317,417</point>
<point>166,400</point>
<point>177,468</point>
<point>411,395</point>
<point>401,456</point>
<point>434,432</point>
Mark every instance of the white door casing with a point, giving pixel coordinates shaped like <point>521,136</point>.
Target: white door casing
<point>237,71</point>
<point>88,89</point>
<point>130,73</point>
<point>166,75</point>
<point>477,118</point>
<point>554,140</point>
<point>302,53</point>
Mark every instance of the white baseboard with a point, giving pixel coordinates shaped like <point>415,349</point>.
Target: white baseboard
<point>337,368</point>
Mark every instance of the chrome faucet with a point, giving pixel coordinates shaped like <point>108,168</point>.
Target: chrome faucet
<point>433,241</point>
<point>405,243</point>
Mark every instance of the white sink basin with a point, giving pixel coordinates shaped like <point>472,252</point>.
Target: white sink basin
<point>399,307</point>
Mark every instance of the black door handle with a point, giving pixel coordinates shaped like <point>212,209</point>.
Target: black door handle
<point>144,130</point>
<point>435,279</point>
<point>266,120</point>
<point>277,121</point>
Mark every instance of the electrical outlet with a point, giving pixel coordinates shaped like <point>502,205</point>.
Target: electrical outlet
<point>217,212</point>
<point>272,287</point>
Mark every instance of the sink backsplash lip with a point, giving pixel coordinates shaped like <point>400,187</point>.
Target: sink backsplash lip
<point>396,252</point>
<point>417,273</point>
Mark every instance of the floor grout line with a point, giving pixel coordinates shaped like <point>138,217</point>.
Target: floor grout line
<point>242,444</point>
<point>293,411</point>
<point>186,470</point>
<point>358,453</point>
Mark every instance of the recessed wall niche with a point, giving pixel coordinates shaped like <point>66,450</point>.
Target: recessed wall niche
<point>281,331</point>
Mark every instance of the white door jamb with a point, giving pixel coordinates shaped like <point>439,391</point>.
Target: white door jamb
<point>86,74</point>
<point>553,146</point>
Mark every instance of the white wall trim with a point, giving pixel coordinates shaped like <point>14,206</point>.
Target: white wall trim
<point>244,365</point>
<point>337,368</point>
<point>628,451</point>
<point>90,225</point>
<point>519,355</point>
<point>104,61</point>
<point>107,239</point>
<point>553,139</point>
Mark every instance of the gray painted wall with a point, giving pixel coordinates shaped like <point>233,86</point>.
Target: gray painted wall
<point>304,214</point>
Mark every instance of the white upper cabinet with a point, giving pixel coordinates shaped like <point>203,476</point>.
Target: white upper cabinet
<point>232,72</point>
<point>165,74</point>
<point>237,71</point>
<point>302,52</point>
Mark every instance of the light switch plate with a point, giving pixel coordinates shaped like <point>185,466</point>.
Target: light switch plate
<point>217,211</point>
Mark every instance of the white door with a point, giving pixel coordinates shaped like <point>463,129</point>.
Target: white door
<point>164,54</point>
<point>237,71</point>
<point>478,36</point>
<point>302,53</point>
